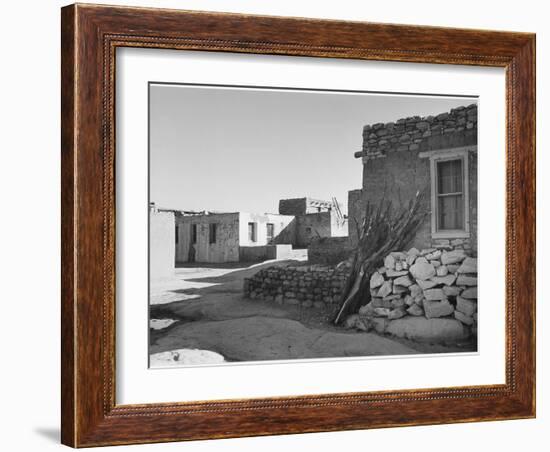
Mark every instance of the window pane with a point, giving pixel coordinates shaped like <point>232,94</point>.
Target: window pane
<point>451,212</point>
<point>449,175</point>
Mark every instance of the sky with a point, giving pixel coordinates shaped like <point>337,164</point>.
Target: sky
<point>243,149</point>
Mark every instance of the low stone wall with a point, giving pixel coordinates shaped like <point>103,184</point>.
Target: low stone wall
<point>309,286</point>
<point>428,295</point>
<point>329,250</point>
<point>431,283</point>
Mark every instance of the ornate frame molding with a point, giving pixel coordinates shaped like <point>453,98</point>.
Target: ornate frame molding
<point>90,37</point>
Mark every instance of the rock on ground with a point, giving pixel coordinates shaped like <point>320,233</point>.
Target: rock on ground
<point>435,309</point>
<point>185,357</point>
<point>160,324</point>
<point>422,329</point>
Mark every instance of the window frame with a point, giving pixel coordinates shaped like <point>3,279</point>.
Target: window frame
<point>194,233</point>
<point>212,233</point>
<point>252,238</point>
<point>457,194</point>
<point>267,236</point>
<point>436,157</point>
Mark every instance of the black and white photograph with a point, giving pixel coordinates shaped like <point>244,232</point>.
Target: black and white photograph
<point>301,224</point>
<point>235,225</point>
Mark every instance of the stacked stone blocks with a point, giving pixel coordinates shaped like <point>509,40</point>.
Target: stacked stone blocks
<point>309,285</point>
<point>433,283</point>
<point>409,134</point>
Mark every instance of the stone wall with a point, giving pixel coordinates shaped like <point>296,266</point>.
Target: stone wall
<point>429,283</point>
<point>309,286</point>
<point>396,165</point>
<point>446,130</point>
<point>329,250</point>
<point>427,296</point>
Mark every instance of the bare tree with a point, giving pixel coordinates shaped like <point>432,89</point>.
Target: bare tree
<point>383,229</point>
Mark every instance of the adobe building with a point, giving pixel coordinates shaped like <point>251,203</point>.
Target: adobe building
<point>435,153</point>
<point>232,237</point>
<point>161,243</point>
<point>314,219</point>
<point>241,236</point>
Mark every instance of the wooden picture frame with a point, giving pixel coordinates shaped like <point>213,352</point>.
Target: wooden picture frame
<point>90,35</point>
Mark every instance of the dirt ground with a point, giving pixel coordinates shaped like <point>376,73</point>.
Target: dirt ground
<point>211,314</point>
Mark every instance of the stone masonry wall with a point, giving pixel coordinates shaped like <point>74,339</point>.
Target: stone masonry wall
<point>394,170</point>
<point>450,129</point>
<point>309,286</point>
<point>429,283</point>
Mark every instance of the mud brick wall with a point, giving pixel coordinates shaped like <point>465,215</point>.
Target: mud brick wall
<point>162,244</point>
<point>294,206</point>
<point>311,226</point>
<point>396,179</point>
<point>329,250</point>
<point>309,286</point>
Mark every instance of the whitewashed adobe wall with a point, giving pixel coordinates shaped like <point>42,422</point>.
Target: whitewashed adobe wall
<point>161,244</point>
<point>224,249</point>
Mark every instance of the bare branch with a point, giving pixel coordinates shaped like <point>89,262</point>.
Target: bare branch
<point>384,229</point>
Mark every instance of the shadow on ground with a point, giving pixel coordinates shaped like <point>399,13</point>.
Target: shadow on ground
<point>214,315</point>
<point>217,297</point>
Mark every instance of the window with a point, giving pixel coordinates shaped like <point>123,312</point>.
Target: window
<point>212,231</point>
<point>251,232</point>
<point>450,195</point>
<point>177,235</point>
<point>193,233</point>
<point>270,231</point>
